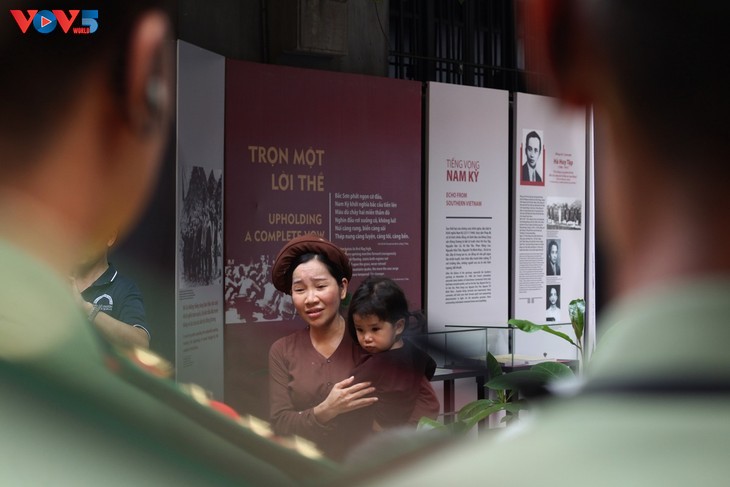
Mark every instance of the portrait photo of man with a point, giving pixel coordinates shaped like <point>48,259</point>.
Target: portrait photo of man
<point>531,169</point>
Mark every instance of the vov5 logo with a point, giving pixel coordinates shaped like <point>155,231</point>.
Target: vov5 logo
<point>45,21</point>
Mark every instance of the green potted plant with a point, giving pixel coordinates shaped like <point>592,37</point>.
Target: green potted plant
<point>508,386</point>
<point>576,311</point>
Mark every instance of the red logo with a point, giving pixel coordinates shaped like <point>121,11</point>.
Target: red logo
<point>45,21</point>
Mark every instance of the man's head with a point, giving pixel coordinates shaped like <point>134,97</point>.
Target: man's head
<point>43,73</point>
<point>84,116</point>
<point>533,147</point>
<point>667,79</point>
<point>659,91</point>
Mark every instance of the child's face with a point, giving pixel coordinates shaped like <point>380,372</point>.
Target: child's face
<point>376,335</point>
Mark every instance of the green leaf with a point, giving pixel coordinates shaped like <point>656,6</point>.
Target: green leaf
<point>482,411</point>
<point>577,312</point>
<point>515,406</point>
<point>538,376</point>
<point>472,408</point>
<point>494,368</point>
<point>512,409</point>
<point>426,423</point>
<point>525,325</point>
<point>530,327</point>
<point>560,334</point>
<point>508,419</point>
<point>515,380</point>
<point>553,370</point>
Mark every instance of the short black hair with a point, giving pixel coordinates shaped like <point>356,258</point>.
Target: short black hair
<point>377,296</point>
<point>670,64</point>
<point>533,135</point>
<point>42,73</point>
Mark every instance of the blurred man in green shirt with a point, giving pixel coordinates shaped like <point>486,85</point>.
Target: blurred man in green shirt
<point>86,103</point>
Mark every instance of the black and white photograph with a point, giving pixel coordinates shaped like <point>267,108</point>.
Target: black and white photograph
<point>250,296</point>
<point>532,159</point>
<point>552,295</point>
<point>564,213</point>
<point>552,264</point>
<point>201,227</point>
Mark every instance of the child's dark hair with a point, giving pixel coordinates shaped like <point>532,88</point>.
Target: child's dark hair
<point>382,297</point>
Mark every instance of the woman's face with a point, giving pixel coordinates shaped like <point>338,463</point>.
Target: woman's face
<point>554,254</point>
<point>316,294</point>
<point>553,296</point>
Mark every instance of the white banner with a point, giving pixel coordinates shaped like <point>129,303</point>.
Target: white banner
<point>468,174</point>
<point>548,220</point>
<point>199,253</point>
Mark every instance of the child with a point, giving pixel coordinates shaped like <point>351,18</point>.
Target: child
<point>377,318</point>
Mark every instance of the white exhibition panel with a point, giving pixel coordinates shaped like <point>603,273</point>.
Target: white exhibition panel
<point>199,252</point>
<point>549,220</point>
<point>467,210</point>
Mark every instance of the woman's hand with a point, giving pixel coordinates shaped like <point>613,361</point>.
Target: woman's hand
<point>344,397</point>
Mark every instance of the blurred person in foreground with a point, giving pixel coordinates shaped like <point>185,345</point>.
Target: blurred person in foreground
<point>83,122</point>
<point>655,405</point>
